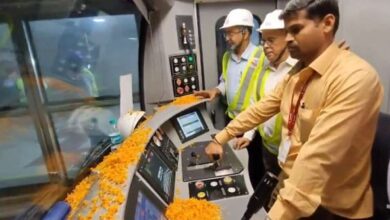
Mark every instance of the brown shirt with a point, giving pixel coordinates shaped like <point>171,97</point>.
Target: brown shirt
<point>333,135</point>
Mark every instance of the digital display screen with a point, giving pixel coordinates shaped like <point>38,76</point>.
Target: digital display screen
<point>142,203</point>
<point>146,210</point>
<point>190,125</point>
<point>159,175</point>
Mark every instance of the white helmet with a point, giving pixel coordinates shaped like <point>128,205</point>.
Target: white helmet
<point>272,21</point>
<point>238,17</point>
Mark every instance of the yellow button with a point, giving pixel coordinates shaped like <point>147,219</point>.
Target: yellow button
<point>201,195</point>
<point>227,180</point>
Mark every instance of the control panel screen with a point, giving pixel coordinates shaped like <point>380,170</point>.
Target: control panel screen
<point>158,173</point>
<point>146,210</point>
<point>161,141</point>
<point>189,125</point>
<point>142,203</point>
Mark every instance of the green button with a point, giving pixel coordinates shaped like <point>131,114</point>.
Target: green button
<point>190,58</point>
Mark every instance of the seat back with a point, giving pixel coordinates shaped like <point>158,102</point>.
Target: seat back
<point>380,178</point>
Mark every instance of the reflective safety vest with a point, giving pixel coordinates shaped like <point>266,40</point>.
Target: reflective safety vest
<point>22,92</point>
<point>271,142</point>
<point>89,80</point>
<point>241,99</point>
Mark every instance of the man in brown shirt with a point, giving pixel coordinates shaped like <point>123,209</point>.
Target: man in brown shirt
<point>329,103</point>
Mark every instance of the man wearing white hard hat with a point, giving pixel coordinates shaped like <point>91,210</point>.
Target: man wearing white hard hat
<point>240,67</point>
<point>330,102</point>
<point>278,64</point>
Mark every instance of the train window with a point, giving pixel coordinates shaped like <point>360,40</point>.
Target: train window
<point>21,157</point>
<point>84,57</point>
<point>79,59</point>
<point>60,65</point>
<point>79,131</point>
<point>221,43</point>
<point>11,82</point>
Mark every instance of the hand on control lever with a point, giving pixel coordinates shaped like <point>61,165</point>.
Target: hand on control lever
<point>214,150</point>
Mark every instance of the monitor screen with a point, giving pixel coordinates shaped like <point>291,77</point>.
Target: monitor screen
<point>158,174</point>
<point>146,210</point>
<point>142,203</point>
<point>190,125</point>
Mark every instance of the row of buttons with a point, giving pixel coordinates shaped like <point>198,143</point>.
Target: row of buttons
<point>183,59</point>
<point>227,181</point>
<point>180,90</point>
<point>179,81</point>
<point>184,68</point>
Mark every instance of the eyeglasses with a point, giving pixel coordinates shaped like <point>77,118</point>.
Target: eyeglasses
<point>270,42</point>
<point>231,33</point>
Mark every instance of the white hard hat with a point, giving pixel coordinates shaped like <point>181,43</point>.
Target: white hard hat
<point>272,21</point>
<point>128,122</point>
<point>238,17</point>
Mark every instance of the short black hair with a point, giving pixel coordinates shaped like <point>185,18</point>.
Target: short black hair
<point>315,9</point>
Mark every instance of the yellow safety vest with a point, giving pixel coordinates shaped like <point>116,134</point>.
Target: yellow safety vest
<point>271,143</point>
<point>241,100</point>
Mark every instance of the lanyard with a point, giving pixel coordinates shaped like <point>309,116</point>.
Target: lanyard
<point>292,116</point>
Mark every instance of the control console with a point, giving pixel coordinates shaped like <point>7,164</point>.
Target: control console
<point>219,188</point>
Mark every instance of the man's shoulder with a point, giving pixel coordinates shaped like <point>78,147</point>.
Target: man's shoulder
<point>350,69</point>
<point>349,63</point>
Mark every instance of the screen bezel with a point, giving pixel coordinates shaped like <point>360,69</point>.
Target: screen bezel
<point>132,196</point>
<point>168,198</point>
<point>168,144</point>
<point>180,131</point>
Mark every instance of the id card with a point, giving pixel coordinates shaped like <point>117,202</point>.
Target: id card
<point>284,149</point>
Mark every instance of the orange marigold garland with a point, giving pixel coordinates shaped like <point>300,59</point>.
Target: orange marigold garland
<point>184,100</point>
<point>112,175</point>
<point>190,209</point>
<point>80,191</point>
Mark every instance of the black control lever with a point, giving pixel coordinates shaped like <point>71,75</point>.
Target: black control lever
<point>216,158</point>
<point>261,196</point>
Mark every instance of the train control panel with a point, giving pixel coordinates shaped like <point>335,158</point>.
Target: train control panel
<point>174,165</point>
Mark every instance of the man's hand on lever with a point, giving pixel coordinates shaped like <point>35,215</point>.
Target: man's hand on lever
<point>214,150</point>
<point>241,143</point>
<point>208,94</point>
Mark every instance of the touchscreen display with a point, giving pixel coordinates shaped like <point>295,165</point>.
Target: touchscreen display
<point>159,175</point>
<point>146,210</point>
<point>190,124</point>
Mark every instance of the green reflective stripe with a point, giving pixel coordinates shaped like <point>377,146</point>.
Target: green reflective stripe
<point>272,142</point>
<point>260,81</point>
<point>20,87</point>
<point>249,91</point>
<point>225,63</point>
<point>265,79</point>
<point>91,77</point>
<point>245,81</point>
<point>238,100</point>
<point>231,115</point>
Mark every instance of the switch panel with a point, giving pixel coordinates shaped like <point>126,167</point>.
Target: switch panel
<point>185,29</point>
<point>220,188</point>
<point>184,74</point>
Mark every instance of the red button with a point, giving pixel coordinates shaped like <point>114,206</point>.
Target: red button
<point>180,90</point>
